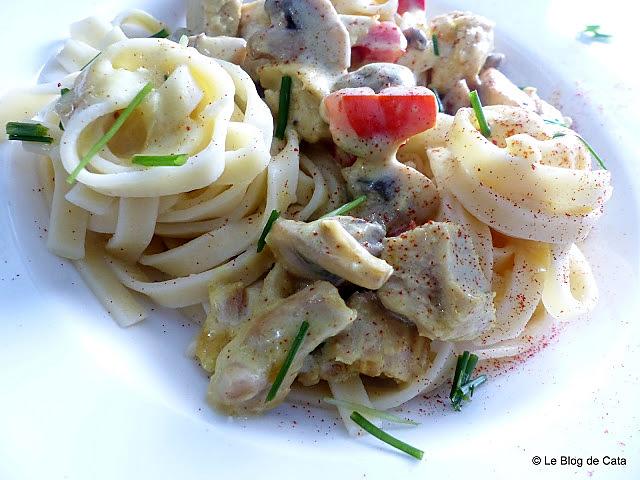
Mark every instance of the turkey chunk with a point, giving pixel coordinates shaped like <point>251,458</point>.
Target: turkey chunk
<point>248,365</point>
<point>465,40</point>
<point>438,283</point>
<point>377,344</point>
<point>331,249</point>
<point>214,17</point>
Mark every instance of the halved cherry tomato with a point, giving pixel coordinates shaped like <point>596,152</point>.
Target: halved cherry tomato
<point>410,5</point>
<point>396,113</point>
<point>384,42</point>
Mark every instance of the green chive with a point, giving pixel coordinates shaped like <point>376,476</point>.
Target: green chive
<point>28,132</point>
<point>283,106</point>
<point>346,208</point>
<point>468,388</point>
<point>99,145</point>
<point>594,32</point>
<point>295,346</point>
<point>265,231</point>
<point>477,108</point>
<point>371,412</point>
<point>60,126</point>
<point>385,437</point>
<point>164,33</point>
<point>436,47</point>
<point>27,129</point>
<point>586,144</point>
<point>462,387</point>
<point>64,91</point>
<point>160,160</point>
<point>555,122</point>
<point>90,61</point>
<point>438,100</point>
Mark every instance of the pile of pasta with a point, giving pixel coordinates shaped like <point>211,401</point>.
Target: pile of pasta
<point>526,198</point>
<point>166,233</point>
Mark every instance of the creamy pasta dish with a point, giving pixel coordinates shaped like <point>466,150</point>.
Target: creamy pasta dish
<point>346,192</point>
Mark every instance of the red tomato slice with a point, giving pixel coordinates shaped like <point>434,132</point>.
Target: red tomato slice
<point>384,42</point>
<point>410,5</point>
<point>397,113</point>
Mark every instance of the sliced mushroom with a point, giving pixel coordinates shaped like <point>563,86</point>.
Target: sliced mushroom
<point>376,344</point>
<point>438,283</point>
<point>376,76</point>
<point>398,196</point>
<point>332,249</point>
<point>214,17</point>
<point>248,365</point>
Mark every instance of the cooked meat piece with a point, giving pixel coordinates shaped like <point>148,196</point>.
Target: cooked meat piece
<point>231,305</point>
<point>306,40</point>
<point>496,89</point>
<point>416,38</point>
<point>231,49</point>
<point>398,196</point>
<point>457,97</point>
<point>377,344</point>
<point>331,249</point>
<point>376,76</point>
<point>214,17</point>
<point>438,283</point>
<point>248,365</point>
<point>465,40</point>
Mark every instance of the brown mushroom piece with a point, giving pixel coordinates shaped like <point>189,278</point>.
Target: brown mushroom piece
<point>334,249</point>
<point>248,364</point>
<point>305,40</point>
<point>377,344</point>
<point>438,283</point>
<point>376,76</point>
<point>398,196</point>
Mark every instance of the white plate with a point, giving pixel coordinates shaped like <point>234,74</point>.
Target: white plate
<point>82,399</point>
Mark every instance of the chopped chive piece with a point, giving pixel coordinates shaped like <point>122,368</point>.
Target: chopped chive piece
<point>586,144</point>
<point>462,387</point>
<point>385,437</point>
<point>371,412</point>
<point>594,32</point>
<point>262,240</point>
<point>283,106</point>
<point>29,138</point>
<point>64,91</point>
<point>468,388</point>
<point>295,346</point>
<point>28,132</point>
<point>477,108</point>
<point>555,122</point>
<point>160,160</point>
<point>164,33</point>
<point>438,100</point>
<point>27,129</point>
<point>346,207</point>
<point>99,145</point>
<point>90,61</point>
<point>60,126</point>
<point>436,47</point>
